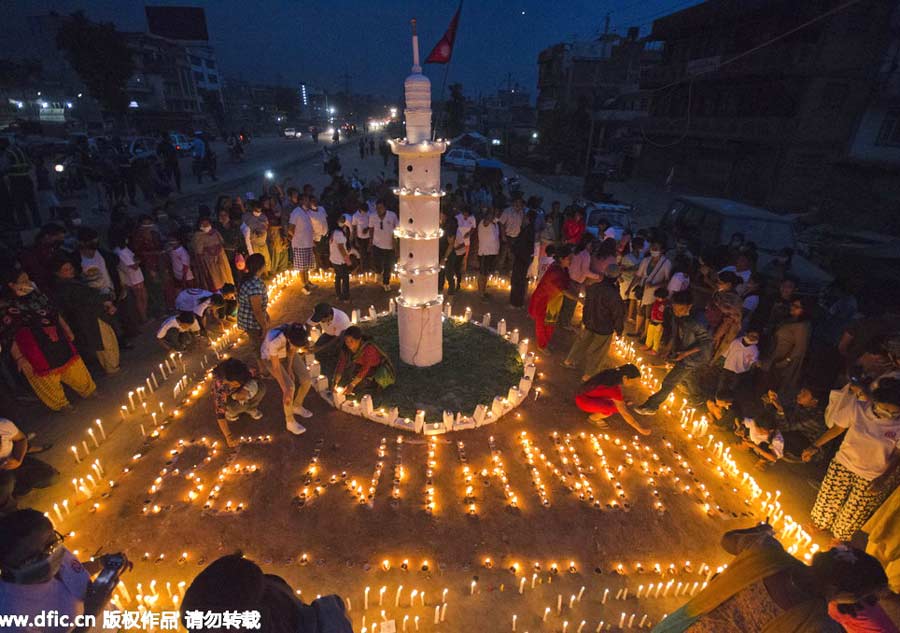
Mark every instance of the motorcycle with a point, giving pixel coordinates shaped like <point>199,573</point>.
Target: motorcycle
<point>205,165</point>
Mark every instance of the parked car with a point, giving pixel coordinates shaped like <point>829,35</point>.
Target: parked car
<point>182,144</point>
<point>618,216</point>
<point>461,159</point>
<point>708,223</point>
<point>290,132</point>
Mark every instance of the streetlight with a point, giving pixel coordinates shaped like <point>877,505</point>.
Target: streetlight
<point>331,110</point>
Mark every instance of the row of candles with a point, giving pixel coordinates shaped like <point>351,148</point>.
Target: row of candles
<point>743,484</point>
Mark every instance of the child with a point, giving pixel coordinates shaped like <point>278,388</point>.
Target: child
<point>740,357</point>
<point>657,316</point>
<point>178,332</point>
<point>181,265</point>
<point>763,438</point>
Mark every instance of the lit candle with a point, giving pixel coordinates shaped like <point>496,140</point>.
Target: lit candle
<point>437,614</point>
<point>643,620</point>
<point>405,620</point>
<point>472,588</point>
<point>93,437</point>
<point>155,382</point>
<point>100,426</point>
<point>381,595</point>
<point>546,613</point>
<point>622,621</point>
<point>443,612</point>
<point>58,513</point>
<point>75,453</point>
<point>131,399</point>
<point>580,594</point>
<point>605,596</point>
<point>416,622</point>
<point>65,505</point>
<point>412,597</point>
<point>630,620</point>
<point>515,617</point>
<point>397,596</point>
<point>366,599</point>
<point>559,603</point>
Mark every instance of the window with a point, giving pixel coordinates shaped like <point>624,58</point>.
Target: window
<point>889,134</point>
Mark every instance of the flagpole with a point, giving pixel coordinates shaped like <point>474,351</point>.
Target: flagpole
<point>444,83</point>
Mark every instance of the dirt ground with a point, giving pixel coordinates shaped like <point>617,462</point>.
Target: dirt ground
<point>333,544</point>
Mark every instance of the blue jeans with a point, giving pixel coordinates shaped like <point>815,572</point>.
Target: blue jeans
<point>686,376</point>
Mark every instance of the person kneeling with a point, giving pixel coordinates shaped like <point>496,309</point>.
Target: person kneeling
<point>283,348</point>
<point>178,332</point>
<point>19,471</point>
<point>235,391</point>
<point>601,396</point>
<point>361,363</point>
<point>762,437</point>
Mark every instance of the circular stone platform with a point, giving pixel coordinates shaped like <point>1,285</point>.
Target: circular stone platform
<point>482,377</point>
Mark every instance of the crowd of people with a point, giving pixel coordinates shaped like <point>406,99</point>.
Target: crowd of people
<point>794,378</point>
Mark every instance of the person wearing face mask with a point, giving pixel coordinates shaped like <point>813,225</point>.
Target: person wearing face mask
<point>213,270</point>
<point>859,477</point>
<point>258,224</point>
<point>93,261</point>
<point>34,259</point>
<point>41,342</point>
<point>39,575</point>
<point>653,272</point>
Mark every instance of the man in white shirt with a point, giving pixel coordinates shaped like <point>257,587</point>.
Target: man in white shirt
<point>19,471</point>
<point>511,224</point>
<point>40,576</point>
<point>332,322</point>
<point>302,235</point>
<point>488,248</point>
<point>199,301</point>
<point>283,348</point>
<point>383,224</point>
<point>320,230</point>
<point>93,265</point>
<point>178,332</point>
<point>362,235</point>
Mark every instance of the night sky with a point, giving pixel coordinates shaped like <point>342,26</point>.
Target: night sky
<point>318,40</point>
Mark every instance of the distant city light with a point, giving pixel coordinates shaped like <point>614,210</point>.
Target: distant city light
<point>331,110</point>
<point>133,104</point>
<point>534,135</point>
<point>495,141</point>
<point>393,113</point>
<point>44,104</point>
<point>79,95</point>
<point>68,104</point>
<point>59,168</point>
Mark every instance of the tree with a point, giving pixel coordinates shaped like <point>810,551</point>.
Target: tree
<point>456,111</point>
<point>101,58</point>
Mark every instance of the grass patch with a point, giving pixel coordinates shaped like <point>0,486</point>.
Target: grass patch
<point>477,366</point>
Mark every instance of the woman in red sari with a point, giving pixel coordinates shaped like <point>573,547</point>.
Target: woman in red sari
<point>546,300</point>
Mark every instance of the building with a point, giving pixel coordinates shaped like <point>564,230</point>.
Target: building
<point>767,127</point>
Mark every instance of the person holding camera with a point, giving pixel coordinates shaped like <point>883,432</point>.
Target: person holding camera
<point>39,575</point>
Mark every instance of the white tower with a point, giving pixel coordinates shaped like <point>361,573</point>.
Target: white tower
<point>419,305</point>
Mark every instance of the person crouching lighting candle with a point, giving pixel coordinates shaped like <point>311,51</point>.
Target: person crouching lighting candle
<point>601,396</point>
<point>235,390</point>
<point>362,363</point>
<point>234,583</point>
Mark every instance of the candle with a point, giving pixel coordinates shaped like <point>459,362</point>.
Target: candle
<point>149,387</point>
<point>85,446</point>
<point>397,596</point>
<point>99,467</point>
<point>405,620</point>
<point>412,597</point>
<point>58,513</point>
<point>163,372</point>
<point>559,603</point>
<point>155,382</point>
<point>122,412</point>
<point>641,623</point>
<point>605,595</point>
<point>515,617</point>
<point>572,601</point>
<point>444,595</point>
<point>472,588</point>
<point>546,613</point>
<point>581,626</point>
<point>580,594</point>
<point>443,612</point>
<point>437,614</point>
<point>93,437</point>
<point>622,621</point>
<point>65,505</point>
<point>416,622</point>
<point>100,426</point>
<point>630,620</point>
<point>366,599</point>
<point>381,595</point>
<point>143,432</point>
<point>75,453</point>
<point>533,580</point>
<point>131,399</point>
<point>124,591</point>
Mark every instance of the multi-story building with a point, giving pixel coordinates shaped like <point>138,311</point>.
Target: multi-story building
<point>759,100</point>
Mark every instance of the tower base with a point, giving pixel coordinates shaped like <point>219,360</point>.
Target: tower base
<point>421,336</point>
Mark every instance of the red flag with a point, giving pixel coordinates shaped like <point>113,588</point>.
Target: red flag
<point>443,50</point>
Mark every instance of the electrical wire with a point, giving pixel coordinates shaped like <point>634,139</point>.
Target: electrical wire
<point>730,60</point>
